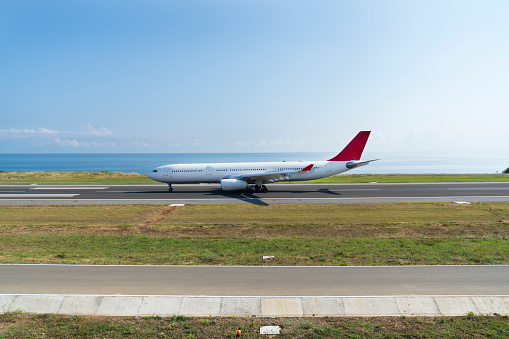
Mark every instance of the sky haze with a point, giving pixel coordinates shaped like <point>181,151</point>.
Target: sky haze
<point>253,76</point>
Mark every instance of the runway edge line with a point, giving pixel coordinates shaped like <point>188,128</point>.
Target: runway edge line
<point>168,305</point>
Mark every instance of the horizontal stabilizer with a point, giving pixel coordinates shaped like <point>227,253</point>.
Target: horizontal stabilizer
<point>354,164</point>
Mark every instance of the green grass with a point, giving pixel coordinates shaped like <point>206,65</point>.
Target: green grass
<point>296,234</point>
<point>411,178</point>
<point>18,325</point>
<point>118,178</point>
<point>108,249</point>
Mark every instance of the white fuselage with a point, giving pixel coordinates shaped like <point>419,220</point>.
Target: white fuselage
<point>215,172</point>
<point>245,175</point>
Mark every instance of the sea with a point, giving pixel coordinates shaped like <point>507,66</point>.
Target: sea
<point>142,163</point>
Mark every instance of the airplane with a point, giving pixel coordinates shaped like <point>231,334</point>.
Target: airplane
<point>246,175</point>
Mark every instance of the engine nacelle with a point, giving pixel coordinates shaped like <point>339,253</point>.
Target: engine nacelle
<point>233,184</point>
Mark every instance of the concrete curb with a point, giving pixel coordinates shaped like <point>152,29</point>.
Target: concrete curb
<point>167,305</point>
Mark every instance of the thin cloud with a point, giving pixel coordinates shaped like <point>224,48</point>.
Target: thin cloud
<point>263,143</point>
<point>101,131</point>
<point>88,137</point>
<point>90,130</point>
<point>73,142</point>
<point>40,130</point>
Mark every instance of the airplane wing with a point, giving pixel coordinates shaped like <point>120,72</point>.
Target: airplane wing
<point>271,176</point>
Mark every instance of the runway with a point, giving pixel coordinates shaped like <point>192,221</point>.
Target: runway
<point>255,280</point>
<point>278,193</point>
<point>254,291</point>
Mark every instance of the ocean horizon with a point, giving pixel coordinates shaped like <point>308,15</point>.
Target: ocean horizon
<point>142,163</point>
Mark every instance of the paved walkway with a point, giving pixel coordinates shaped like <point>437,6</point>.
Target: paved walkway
<point>114,305</point>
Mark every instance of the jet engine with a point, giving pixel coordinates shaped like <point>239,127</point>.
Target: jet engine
<point>233,184</point>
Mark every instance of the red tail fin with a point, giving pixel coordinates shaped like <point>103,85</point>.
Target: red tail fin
<point>353,150</point>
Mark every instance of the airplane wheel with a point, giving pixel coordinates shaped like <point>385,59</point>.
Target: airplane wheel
<point>170,189</point>
<point>264,189</point>
<point>257,189</point>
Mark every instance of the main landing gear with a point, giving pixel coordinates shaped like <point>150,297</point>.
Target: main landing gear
<point>261,188</point>
<point>170,189</point>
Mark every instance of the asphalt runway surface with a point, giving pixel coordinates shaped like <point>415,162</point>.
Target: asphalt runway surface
<point>278,193</point>
<point>254,280</point>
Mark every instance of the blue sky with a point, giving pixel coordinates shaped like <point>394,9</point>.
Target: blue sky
<point>253,76</point>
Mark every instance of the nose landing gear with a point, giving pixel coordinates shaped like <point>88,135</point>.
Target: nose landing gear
<point>170,189</point>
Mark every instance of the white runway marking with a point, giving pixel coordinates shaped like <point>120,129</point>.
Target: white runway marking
<point>353,190</point>
<point>69,188</point>
<point>479,188</point>
<point>37,195</point>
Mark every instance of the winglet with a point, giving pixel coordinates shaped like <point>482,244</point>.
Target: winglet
<point>307,168</point>
<point>353,150</point>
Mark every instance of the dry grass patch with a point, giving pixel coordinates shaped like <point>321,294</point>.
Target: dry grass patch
<point>340,220</point>
<point>405,220</point>
<point>330,214</point>
<point>79,219</point>
<point>74,178</point>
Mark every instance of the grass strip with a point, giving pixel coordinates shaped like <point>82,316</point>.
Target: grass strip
<point>296,234</point>
<point>18,325</point>
<point>108,249</point>
<point>386,219</point>
<point>411,178</point>
<point>119,178</point>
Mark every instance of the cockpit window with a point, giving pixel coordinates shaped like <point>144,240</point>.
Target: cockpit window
<point>155,171</point>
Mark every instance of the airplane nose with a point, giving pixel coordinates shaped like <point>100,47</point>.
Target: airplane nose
<point>151,175</point>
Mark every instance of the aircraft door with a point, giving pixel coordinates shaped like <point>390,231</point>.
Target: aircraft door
<point>208,170</point>
<point>167,172</point>
<point>328,167</point>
